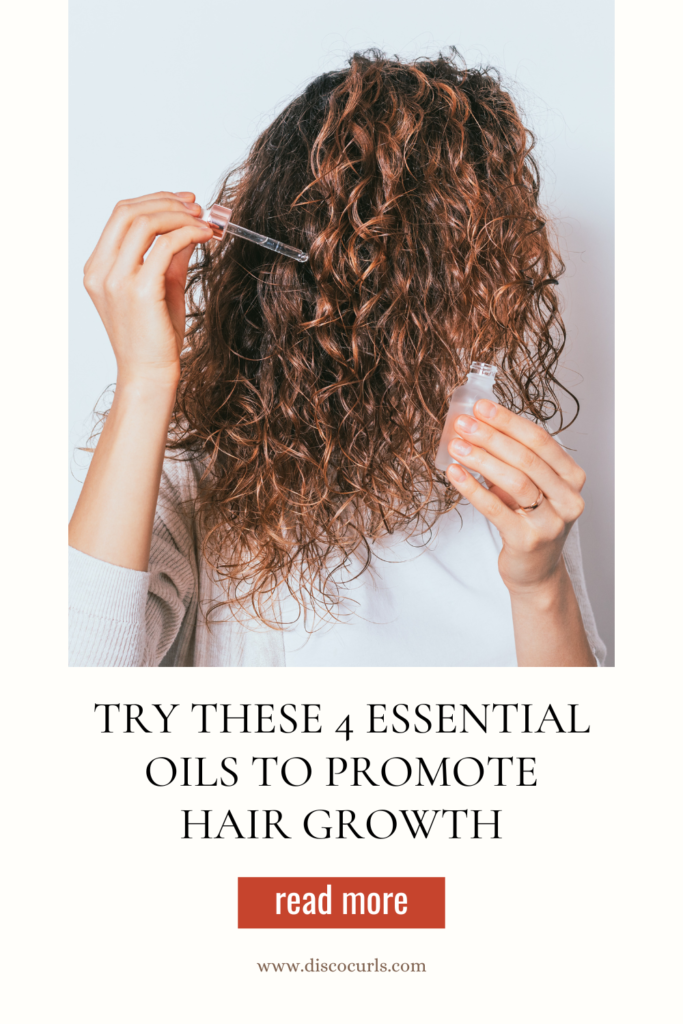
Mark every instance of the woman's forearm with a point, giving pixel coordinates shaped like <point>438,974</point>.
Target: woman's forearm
<point>548,625</point>
<point>136,277</point>
<point>114,516</point>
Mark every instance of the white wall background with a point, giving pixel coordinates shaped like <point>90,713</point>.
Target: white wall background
<point>167,95</point>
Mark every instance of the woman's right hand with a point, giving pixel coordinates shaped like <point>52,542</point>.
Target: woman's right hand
<point>142,301</point>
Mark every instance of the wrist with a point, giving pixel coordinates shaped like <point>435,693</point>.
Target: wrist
<point>144,406</point>
<point>147,389</point>
<point>545,594</point>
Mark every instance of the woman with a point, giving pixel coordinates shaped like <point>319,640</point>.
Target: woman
<point>263,491</point>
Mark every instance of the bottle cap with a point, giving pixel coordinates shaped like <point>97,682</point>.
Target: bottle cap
<point>217,217</point>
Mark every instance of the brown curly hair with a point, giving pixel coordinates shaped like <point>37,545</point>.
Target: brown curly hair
<point>316,393</point>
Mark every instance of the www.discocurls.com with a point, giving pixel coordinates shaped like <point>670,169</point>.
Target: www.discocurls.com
<point>315,966</point>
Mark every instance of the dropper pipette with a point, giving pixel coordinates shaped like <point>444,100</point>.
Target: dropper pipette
<point>218,218</point>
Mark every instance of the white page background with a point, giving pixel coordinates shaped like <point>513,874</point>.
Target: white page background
<point>539,924</point>
<point>109,916</point>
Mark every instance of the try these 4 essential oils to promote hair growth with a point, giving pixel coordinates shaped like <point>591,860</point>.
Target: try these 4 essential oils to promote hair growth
<point>480,379</point>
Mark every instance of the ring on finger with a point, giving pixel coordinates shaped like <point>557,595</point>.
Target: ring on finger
<point>530,508</point>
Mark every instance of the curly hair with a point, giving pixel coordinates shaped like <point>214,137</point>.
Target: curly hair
<point>316,393</point>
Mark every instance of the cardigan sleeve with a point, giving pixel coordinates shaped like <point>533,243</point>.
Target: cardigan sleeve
<point>122,617</point>
<point>574,563</point>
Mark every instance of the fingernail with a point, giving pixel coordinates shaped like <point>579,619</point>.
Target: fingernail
<point>467,424</point>
<point>456,473</point>
<point>486,408</point>
<point>192,206</point>
<point>461,447</point>
<point>183,193</point>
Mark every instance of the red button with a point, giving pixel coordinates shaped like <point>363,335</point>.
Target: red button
<point>328,902</point>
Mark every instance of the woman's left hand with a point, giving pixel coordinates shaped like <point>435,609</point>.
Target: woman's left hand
<point>521,462</point>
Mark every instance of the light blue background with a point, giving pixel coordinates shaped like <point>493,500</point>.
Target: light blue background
<point>167,95</point>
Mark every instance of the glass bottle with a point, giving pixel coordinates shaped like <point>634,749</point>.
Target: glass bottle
<point>480,381</point>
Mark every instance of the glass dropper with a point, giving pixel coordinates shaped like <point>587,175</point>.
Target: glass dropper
<point>218,218</point>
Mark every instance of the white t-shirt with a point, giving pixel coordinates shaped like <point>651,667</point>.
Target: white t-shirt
<point>436,603</point>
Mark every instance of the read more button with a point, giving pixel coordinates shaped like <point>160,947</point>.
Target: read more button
<point>332,902</point>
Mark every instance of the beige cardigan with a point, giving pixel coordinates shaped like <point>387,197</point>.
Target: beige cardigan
<point>122,617</point>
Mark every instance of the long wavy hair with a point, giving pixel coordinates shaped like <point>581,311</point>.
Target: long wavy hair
<point>316,393</point>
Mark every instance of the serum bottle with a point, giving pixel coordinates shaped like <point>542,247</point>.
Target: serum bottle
<point>480,381</point>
